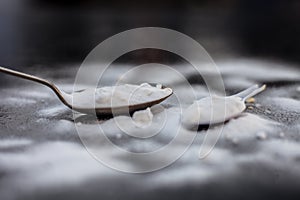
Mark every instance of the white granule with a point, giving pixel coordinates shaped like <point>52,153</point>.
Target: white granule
<point>261,135</point>
<point>143,118</point>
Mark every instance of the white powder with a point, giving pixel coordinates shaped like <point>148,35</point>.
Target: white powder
<point>212,110</point>
<point>120,95</point>
<point>143,117</point>
<point>261,135</point>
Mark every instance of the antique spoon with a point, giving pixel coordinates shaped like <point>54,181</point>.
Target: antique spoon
<point>68,100</point>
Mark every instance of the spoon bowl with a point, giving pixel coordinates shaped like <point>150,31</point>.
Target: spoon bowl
<point>218,109</point>
<point>67,99</point>
<point>123,109</point>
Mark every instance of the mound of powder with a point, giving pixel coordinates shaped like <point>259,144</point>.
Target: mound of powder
<point>121,95</point>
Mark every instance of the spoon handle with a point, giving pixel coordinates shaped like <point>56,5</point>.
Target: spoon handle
<point>45,82</point>
<point>250,92</point>
<point>25,76</point>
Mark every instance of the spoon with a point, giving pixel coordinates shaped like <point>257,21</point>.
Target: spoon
<point>216,109</point>
<point>67,99</point>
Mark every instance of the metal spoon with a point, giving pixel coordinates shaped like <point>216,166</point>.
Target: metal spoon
<point>67,99</point>
<point>218,109</point>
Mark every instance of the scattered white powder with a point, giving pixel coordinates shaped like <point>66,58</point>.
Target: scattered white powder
<point>281,134</point>
<point>9,143</point>
<point>120,95</point>
<point>143,118</point>
<point>258,105</point>
<point>119,136</point>
<point>268,111</point>
<point>261,135</point>
<point>235,141</point>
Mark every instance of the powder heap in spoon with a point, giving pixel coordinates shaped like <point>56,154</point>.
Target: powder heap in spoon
<point>121,95</point>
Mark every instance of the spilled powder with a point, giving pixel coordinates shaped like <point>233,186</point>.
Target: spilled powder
<point>143,118</point>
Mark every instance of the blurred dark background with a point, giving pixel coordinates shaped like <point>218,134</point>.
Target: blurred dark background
<point>59,31</point>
